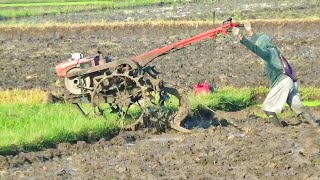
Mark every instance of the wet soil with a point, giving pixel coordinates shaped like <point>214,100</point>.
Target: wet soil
<point>29,54</point>
<point>256,151</point>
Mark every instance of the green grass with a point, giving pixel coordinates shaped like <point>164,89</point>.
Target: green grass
<point>26,8</point>
<point>42,1</point>
<point>34,126</point>
<point>311,103</point>
<point>75,3</point>
<point>228,99</point>
<point>110,3</point>
<point>310,93</point>
<point>34,96</point>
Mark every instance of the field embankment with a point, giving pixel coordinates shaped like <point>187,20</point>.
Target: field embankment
<point>20,9</point>
<point>79,11</point>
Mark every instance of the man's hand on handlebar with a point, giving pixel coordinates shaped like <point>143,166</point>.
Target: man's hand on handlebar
<point>248,27</point>
<point>236,32</point>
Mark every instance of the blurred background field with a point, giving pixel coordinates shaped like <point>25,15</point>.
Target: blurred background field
<point>39,11</point>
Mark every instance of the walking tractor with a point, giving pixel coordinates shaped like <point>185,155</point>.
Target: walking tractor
<point>131,86</point>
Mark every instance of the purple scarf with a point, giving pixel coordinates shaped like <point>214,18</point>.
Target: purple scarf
<point>287,69</point>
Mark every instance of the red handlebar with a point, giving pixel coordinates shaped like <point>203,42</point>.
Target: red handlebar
<point>148,57</point>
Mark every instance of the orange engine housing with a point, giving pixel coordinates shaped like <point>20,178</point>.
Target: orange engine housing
<point>65,66</point>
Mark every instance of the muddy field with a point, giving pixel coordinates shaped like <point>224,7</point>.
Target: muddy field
<point>257,151</point>
<point>29,55</point>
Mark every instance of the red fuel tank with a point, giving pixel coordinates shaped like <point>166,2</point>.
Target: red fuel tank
<point>202,88</point>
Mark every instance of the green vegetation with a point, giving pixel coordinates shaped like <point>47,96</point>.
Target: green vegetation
<point>11,12</point>
<point>310,93</point>
<point>34,126</point>
<point>28,122</point>
<point>34,96</point>
<point>21,8</point>
<point>42,1</point>
<point>25,8</point>
<point>228,99</point>
<point>311,103</point>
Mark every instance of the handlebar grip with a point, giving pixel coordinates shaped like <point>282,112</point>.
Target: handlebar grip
<point>241,25</point>
<point>228,20</point>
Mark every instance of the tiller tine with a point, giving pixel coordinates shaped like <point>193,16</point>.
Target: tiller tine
<point>81,109</point>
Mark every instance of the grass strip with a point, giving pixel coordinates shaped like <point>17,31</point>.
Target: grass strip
<point>70,3</point>
<point>28,122</point>
<point>107,3</point>
<point>227,99</point>
<point>227,95</point>
<point>34,96</point>
<point>11,10</point>
<point>40,1</point>
<point>35,126</point>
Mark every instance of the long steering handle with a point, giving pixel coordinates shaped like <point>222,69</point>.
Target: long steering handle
<point>148,57</point>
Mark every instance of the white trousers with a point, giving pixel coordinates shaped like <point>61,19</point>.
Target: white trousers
<point>285,91</point>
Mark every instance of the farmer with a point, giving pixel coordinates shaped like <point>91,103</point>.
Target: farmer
<point>283,81</point>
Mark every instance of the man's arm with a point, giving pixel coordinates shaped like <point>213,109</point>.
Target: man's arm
<point>250,31</point>
<point>249,44</point>
<point>254,37</point>
<point>254,48</point>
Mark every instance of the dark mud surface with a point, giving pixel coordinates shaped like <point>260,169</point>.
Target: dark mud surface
<point>29,54</point>
<point>258,151</point>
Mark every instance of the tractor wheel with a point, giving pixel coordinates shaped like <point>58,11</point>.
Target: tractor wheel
<point>74,84</point>
<point>122,94</point>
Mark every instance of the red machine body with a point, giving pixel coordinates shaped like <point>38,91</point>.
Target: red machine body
<point>148,57</point>
<point>63,67</point>
<point>118,85</point>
